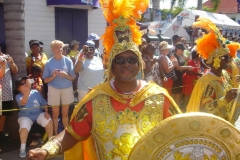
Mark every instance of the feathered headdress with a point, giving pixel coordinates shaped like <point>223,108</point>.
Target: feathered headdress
<point>122,32</point>
<point>212,45</point>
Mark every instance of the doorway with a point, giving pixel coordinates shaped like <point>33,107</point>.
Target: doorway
<point>71,24</point>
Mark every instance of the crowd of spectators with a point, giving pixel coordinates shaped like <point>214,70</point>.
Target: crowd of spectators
<point>49,84</point>
<point>175,67</point>
<point>73,71</point>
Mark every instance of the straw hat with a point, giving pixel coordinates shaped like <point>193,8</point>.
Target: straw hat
<point>164,45</point>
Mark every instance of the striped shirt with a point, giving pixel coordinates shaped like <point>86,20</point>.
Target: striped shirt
<point>170,64</point>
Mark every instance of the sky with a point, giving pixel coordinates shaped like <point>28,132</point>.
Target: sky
<point>190,3</point>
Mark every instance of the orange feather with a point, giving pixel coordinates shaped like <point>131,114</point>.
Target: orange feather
<point>233,47</point>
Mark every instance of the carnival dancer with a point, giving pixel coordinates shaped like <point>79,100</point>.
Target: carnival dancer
<point>214,92</point>
<point>118,112</point>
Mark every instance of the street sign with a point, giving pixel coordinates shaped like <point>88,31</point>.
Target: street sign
<point>238,7</point>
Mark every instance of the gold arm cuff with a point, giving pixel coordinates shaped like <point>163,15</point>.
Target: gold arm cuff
<point>52,148</point>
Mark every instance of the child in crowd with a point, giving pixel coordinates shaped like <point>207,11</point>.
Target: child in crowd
<point>37,83</point>
<point>30,101</point>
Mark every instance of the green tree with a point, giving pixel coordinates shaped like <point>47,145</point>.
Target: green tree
<point>181,4</point>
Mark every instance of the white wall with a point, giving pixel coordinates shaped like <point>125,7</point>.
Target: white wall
<point>96,24</point>
<point>236,16</point>
<point>39,24</point>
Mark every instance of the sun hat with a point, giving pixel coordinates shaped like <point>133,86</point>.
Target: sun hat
<point>164,45</point>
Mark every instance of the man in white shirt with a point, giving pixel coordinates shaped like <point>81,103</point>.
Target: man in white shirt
<point>95,38</point>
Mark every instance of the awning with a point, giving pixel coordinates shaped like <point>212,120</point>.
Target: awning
<point>93,3</point>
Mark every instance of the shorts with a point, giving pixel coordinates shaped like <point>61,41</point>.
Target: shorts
<point>56,96</point>
<point>81,94</point>
<point>25,122</point>
<point>7,105</point>
<point>177,86</point>
<point>168,84</point>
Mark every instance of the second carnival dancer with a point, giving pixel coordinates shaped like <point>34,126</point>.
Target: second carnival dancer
<point>116,114</point>
<point>214,92</point>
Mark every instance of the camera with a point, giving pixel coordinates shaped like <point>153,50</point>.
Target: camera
<point>4,57</point>
<point>58,70</point>
<point>31,81</point>
<point>89,49</point>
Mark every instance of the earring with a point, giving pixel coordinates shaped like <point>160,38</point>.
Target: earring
<point>216,62</point>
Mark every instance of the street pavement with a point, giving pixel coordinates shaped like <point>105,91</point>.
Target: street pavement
<point>13,155</point>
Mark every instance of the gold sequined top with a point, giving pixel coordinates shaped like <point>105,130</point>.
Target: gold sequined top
<point>116,132</point>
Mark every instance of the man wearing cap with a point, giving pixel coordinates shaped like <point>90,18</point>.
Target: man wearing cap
<point>95,38</point>
<point>90,69</point>
<point>117,113</point>
<point>36,57</point>
<point>176,39</point>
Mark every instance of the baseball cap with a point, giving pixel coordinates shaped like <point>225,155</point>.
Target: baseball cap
<point>41,44</point>
<point>73,42</point>
<point>34,42</point>
<point>175,37</point>
<point>93,36</point>
<point>180,46</point>
<point>90,43</point>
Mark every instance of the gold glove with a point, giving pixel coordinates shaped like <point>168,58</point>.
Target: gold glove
<point>53,148</point>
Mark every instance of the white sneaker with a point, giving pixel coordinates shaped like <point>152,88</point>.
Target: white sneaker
<point>22,153</point>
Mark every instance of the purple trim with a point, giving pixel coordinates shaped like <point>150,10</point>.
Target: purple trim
<point>73,2</point>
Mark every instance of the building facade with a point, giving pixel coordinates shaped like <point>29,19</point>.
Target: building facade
<point>23,20</point>
<point>46,20</point>
<point>228,7</point>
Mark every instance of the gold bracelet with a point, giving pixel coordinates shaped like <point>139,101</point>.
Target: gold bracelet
<point>52,148</point>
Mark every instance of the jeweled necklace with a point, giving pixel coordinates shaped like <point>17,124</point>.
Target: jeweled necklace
<point>150,58</point>
<point>127,95</point>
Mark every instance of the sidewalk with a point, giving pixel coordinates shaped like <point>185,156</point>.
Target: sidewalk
<point>13,155</point>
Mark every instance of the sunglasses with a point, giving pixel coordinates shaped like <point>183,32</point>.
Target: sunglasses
<point>22,83</point>
<point>121,60</point>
